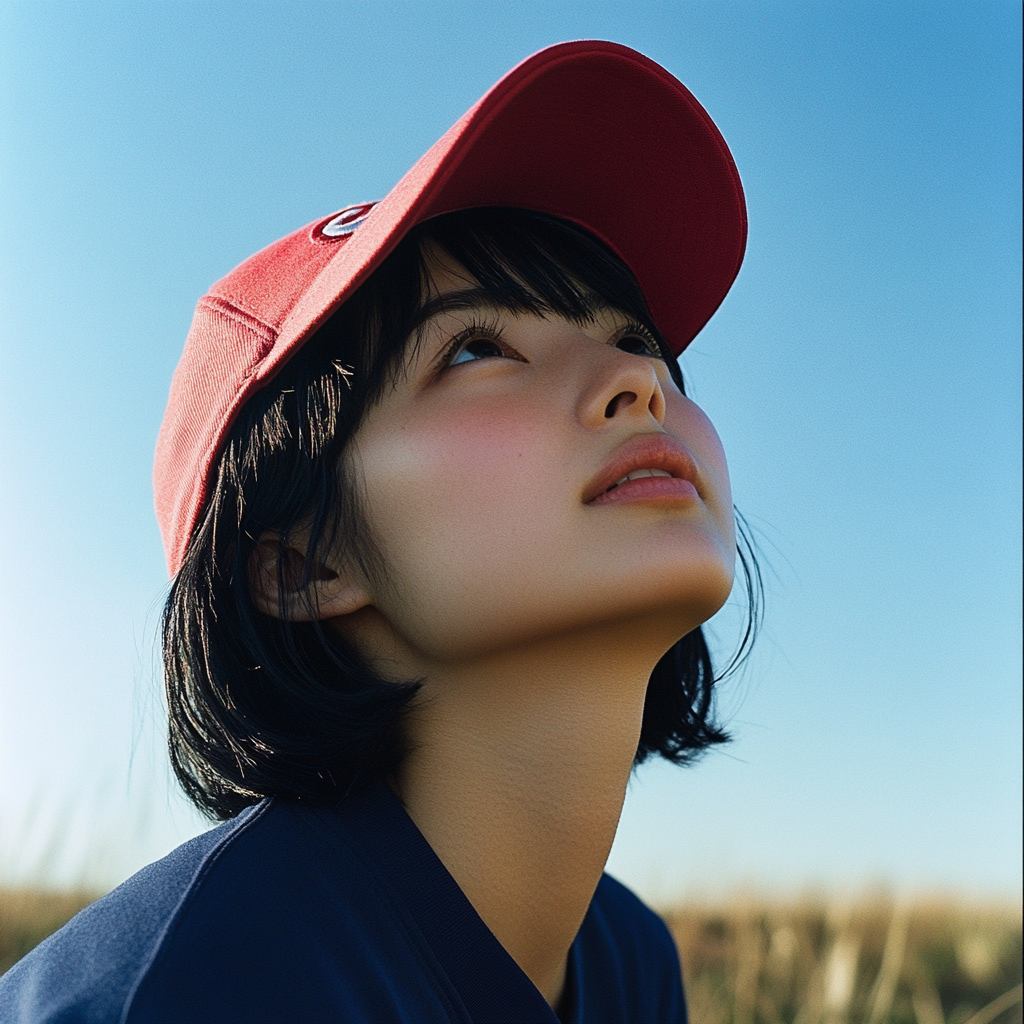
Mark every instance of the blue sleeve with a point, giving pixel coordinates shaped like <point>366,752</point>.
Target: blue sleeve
<point>85,973</point>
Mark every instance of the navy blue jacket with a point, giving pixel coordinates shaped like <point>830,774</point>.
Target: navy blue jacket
<point>295,915</point>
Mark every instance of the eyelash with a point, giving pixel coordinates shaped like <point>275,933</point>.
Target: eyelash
<point>477,330</point>
<point>490,331</point>
<point>635,329</point>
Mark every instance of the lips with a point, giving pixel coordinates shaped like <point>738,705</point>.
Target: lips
<point>649,466</point>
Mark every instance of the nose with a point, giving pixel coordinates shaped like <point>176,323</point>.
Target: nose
<point>621,384</point>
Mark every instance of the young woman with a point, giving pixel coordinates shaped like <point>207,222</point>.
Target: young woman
<point>443,529</point>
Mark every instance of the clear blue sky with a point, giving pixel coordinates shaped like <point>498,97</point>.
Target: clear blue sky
<point>864,374</point>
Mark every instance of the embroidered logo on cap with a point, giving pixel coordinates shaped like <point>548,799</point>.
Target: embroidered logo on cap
<point>341,225</point>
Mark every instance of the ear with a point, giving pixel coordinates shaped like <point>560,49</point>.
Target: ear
<point>276,573</point>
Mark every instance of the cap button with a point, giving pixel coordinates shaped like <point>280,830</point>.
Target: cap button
<point>342,224</point>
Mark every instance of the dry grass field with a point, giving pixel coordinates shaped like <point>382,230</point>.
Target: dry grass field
<point>869,961</point>
<point>27,916</point>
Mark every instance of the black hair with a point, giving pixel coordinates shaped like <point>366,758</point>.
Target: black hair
<point>261,706</point>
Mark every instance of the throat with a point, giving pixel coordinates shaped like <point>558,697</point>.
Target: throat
<point>517,782</point>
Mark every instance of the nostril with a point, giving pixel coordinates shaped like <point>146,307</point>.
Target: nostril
<point>623,400</point>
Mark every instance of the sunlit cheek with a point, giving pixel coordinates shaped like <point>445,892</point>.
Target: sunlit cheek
<point>487,447</point>
<point>687,421</point>
<point>721,507</point>
<point>472,483</point>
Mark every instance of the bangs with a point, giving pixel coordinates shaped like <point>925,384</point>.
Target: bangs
<point>528,262</point>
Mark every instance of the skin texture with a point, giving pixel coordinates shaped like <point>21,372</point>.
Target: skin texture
<point>533,613</point>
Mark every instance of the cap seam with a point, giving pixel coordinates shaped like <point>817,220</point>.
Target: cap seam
<point>235,308</point>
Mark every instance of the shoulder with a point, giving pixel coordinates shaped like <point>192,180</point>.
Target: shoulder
<point>88,970</point>
<point>279,915</point>
<point>638,930</point>
<point>627,960</point>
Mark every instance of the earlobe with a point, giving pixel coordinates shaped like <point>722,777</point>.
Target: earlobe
<point>283,588</point>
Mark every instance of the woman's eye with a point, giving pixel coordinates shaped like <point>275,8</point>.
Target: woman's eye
<point>481,348</point>
<point>637,345</point>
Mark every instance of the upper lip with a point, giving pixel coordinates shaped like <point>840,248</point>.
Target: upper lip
<point>645,451</point>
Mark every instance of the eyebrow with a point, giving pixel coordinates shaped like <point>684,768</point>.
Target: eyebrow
<point>465,298</point>
<point>480,298</point>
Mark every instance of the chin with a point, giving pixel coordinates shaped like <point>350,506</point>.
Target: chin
<point>662,611</point>
<point>692,597</point>
<point>694,569</point>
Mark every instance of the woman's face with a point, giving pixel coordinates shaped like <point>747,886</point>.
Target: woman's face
<point>489,475</point>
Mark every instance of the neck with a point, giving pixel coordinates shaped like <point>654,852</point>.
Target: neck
<point>517,776</point>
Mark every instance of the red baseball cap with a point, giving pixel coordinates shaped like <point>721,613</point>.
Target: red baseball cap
<point>589,131</point>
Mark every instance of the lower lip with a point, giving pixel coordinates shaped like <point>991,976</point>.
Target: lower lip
<point>649,488</point>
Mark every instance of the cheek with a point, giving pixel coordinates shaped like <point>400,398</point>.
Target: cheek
<point>687,421</point>
<point>473,468</point>
<point>454,504</point>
